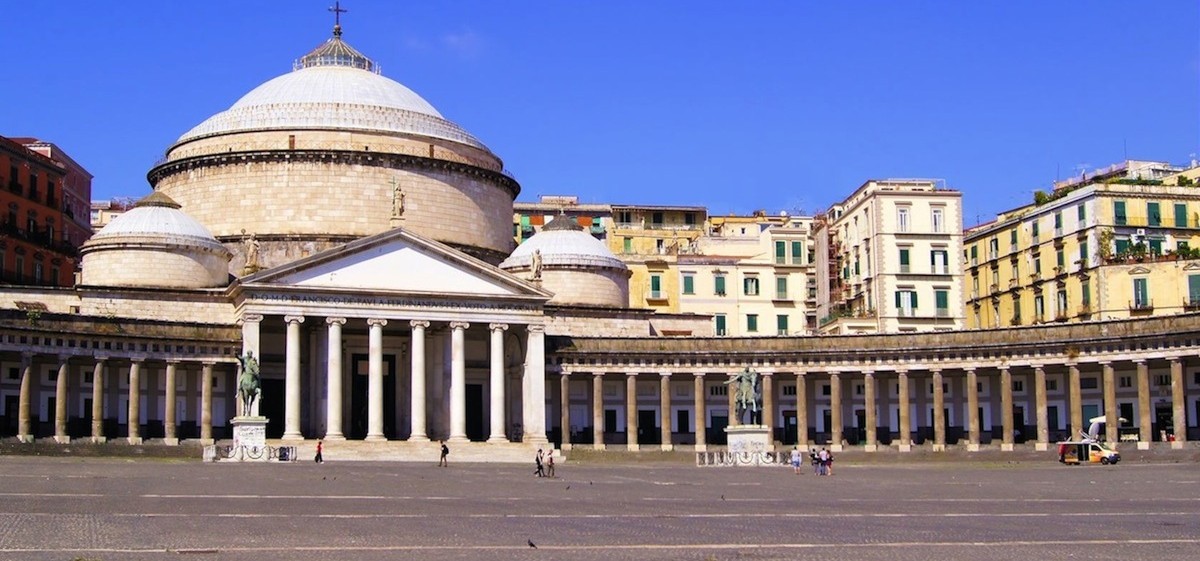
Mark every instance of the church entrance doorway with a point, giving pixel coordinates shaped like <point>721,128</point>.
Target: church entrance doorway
<point>648,432</point>
<point>360,368</point>
<point>272,406</point>
<point>475,412</point>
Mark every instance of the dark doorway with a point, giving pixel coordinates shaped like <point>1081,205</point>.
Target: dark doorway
<point>790,433</point>
<point>827,435</point>
<point>1164,420</point>
<point>716,430</point>
<point>648,432</point>
<point>1052,423</point>
<point>272,405</point>
<point>610,423</point>
<point>1020,431</point>
<point>359,399</point>
<point>681,420</point>
<point>475,412</point>
<point>860,426</point>
<point>11,403</point>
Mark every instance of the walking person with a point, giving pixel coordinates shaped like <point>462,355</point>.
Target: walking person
<point>816,462</point>
<point>823,461</point>
<point>550,464</point>
<point>795,460</point>
<point>540,469</point>
<point>445,452</point>
<point>319,459</point>
<point>829,464</point>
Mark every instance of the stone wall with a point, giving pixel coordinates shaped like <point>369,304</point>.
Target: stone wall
<point>160,267</point>
<point>586,287</point>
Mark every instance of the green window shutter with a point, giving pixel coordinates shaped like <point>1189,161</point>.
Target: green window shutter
<point>856,267</point>
<point>1153,216</point>
<point>974,252</point>
<point>904,257</point>
<point>1119,212</point>
<point>1181,220</point>
<point>1082,212</point>
<point>1083,253</point>
<point>1085,294</point>
<point>1156,247</point>
<point>1012,237</point>
<point>720,325</point>
<point>655,283</point>
<point>899,304</point>
<point>1057,220</point>
<point>1139,291</point>
<point>1060,259</point>
<point>524,221</point>
<point>781,286</point>
<point>1035,228</point>
<point>943,299</point>
<point>627,245</point>
<point>781,324</point>
<point>752,323</point>
<point>780,251</point>
<point>1193,289</point>
<point>689,284</point>
<point>720,284</point>
<point>914,299</point>
<point>797,252</point>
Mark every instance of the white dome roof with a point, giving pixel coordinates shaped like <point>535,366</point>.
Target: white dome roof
<point>333,87</point>
<point>157,216</point>
<point>563,244</point>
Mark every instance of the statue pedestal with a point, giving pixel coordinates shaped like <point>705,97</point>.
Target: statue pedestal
<point>750,445</point>
<point>249,439</point>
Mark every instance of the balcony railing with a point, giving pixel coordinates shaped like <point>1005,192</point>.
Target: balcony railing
<point>905,269</point>
<point>943,312</point>
<point>656,295</point>
<point>1085,309</point>
<point>1191,304</point>
<point>1141,306</point>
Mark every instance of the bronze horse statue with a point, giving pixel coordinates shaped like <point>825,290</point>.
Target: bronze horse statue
<point>249,384</point>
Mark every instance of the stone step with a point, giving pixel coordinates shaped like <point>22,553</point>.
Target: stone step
<point>403,451</point>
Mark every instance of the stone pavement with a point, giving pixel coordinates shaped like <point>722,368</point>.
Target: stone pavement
<point>144,508</point>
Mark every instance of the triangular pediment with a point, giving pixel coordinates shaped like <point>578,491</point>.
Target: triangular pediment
<point>396,261</point>
<point>1192,266</point>
<point>1139,270</point>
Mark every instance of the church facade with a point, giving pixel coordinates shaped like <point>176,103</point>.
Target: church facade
<point>333,224</point>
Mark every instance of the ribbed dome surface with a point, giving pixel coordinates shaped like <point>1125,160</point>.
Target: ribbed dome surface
<point>561,244</point>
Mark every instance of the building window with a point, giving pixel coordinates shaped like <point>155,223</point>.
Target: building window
<point>1039,308</point>
<point>902,219</point>
<point>1085,294</point>
<point>689,219</point>
<point>1083,255</point>
<point>788,389</point>
<point>797,253</point>
<point>37,272</point>
<point>689,284</point>
<point>942,299</point>
<point>1141,294</point>
<point>1051,385</point>
<point>1081,214</point>
<point>906,302</point>
<point>993,248</point>
<point>1162,380</point>
<point>1035,231</point>
<point>1012,241</point>
<point>781,325</point>
<point>939,261</point>
<point>720,321</point>
<point>780,252</point>
<point>1125,381</point>
<point>1062,304</point>
<point>1181,220</point>
<point>1119,217</point>
<point>1194,290</point>
<point>1060,260</point>
<point>656,219</point>
<point>752,323</point>
<point>627,245</point>
<point>1058,225</point>
<point>974,255</point>
<point>781,291</point>
<point>750,286</point>
<point>825,390</point>
<point>939,219</point>
<point>718,390</point>
<point>1018,386</point>
<point>1153,214</point>
<point>1089,383</point>
<point>904,264</point>
<point>656,292</point>
<point>719,284</point>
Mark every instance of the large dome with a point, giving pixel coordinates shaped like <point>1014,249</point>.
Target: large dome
<point>334,87</point>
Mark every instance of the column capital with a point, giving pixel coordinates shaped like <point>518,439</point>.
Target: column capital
<point>174,360</point>
<point>536,328</point>
<point>1037,366</point>
<point>1139,361</point>
<point>62,359</point>
<point>970,369</point>
<point>250,318</point>
<point>498,326</point>
<point>936,371</point>
<point>376,321</point>
<point>868,373</point>
<point>1003,368</point>
<point>902,372</point>
<point>1104,362</point>
<point>419,324</point>
<point>631,374</point>
<point>459,325</point>
<point>293,319</point>
<point>767,373</point>
<point>209,363</point>
<point>564,374</point>
<point>101,358</point>
<point>597,375</point>
<point>833,373</point>
<point>337,321</point>
<point>665,374</point>
<point>137,358</point>
<point>1174,359</point>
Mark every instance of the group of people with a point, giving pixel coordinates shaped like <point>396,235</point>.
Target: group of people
<point>544,464</point>
<point>822,461</point>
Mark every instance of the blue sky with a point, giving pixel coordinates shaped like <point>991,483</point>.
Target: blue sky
<point>731,105</point>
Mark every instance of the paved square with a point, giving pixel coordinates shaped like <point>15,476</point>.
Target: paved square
<point>110,509</point>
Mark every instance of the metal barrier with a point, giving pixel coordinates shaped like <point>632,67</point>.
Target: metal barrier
<point>742,459</point>
<point>250,453</point>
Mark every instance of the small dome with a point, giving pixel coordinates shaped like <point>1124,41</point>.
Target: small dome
<point>157,215</point>
<point>563,243</point>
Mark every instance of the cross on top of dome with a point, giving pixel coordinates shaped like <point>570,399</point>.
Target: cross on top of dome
<point>334,51</point>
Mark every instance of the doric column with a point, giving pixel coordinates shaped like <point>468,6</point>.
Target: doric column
<point>939,412</point>
<point>375,379</point>
<point>564,410</point>
<point>60,402</point>
<point>206,405</point>
<point>420,431</point>
<point>801,411</point>
<point>1076,395</point>
<point>291,416</point>
<point>134,416</point>
<point>1145,436</point>
<point>458,381</point>
<point>972,410</point>
<point>1006,410</point>
<point>700,415</point>
<point>598,411</point>
<point>835,411</point>
<point>169,412</point>
<point>1111,411</point>
<point>664,406</point>
<point>496,354</point>
<point>631,417</point>
<point>98,401</point>
<point>333,379</point>
<point>535,374</point>
<point>905,412</point>
<point>1178,411</point>
<point>24,424</point>
<point>768,409</point>
<point>1039,396</point>
<point>251,324</point>
<point>871,443</point>
<point>731,397</point>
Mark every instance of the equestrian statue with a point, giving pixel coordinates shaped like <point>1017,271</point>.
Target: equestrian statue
<point>747,394</point>
<point>249,384</point>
